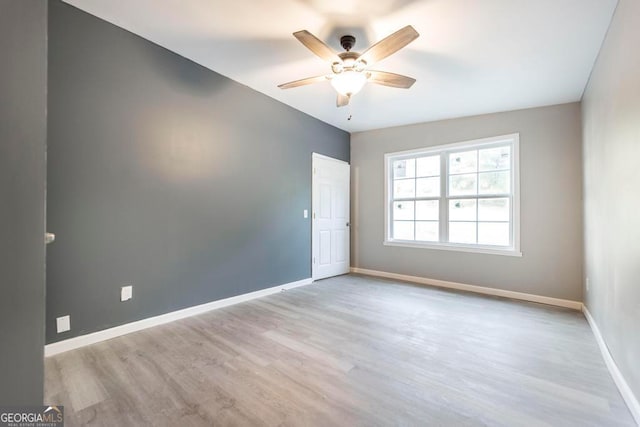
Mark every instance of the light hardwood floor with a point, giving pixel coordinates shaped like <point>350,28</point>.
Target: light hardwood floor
<point>347,351</point>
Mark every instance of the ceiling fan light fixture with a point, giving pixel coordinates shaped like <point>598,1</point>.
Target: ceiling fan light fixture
<point>349,82</point>
<point>350,70</point>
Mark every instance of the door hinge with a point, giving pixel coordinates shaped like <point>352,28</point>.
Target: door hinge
<point>314,260</point>
<point>314,215</point>
<point>314,170</point>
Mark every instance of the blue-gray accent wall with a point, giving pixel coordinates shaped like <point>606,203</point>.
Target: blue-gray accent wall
<point>168,176</point>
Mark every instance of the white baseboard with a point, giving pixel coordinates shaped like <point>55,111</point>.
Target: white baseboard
<point>83,340</point>
<point>625,390</point>
<point>576,305</point>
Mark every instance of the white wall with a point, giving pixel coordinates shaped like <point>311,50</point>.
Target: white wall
<point>611,128</point>
<point>551,205</point>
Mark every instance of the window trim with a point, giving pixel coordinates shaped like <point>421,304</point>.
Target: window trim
<point>514,250</point>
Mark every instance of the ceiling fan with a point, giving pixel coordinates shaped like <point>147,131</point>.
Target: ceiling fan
<point>350,70</point>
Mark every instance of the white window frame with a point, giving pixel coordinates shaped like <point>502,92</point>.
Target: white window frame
<point>443,151</point>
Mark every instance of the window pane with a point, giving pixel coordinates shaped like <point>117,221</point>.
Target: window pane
<point>493,209</point>
<point>462,232</point>
<point>404,189</point>
<point>403,210</point>
<point>428,187</point>
<point>493,233</point>
<point>427,231</point>
<point>495,182</point>
<point>469,186</point>
<point>428,166</point>
<point>403,230</point>
<point>463,162</point>
<point>427,210</point>
<point>404,168</point>
<point>463,185</point>
<point>495,158</point>
<point>462,210</point>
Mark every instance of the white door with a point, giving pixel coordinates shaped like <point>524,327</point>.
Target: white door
<point>330,217</point>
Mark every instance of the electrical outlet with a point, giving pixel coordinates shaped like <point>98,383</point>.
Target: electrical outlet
<point>126,293</point>
<point>63,324</point>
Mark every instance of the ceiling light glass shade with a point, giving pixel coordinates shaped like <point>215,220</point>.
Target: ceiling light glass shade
<point>348,82</point>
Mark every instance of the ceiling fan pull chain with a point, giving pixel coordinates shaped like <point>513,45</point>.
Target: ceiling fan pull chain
<point>349,116</point>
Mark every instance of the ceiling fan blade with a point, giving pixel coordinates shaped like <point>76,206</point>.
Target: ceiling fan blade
<point>343,100</point>
<point>317,46</point>
<point>303,82</point>
<point>390,79</point>
<point>389,45</point>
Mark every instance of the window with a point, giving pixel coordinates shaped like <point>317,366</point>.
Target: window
<point>460,196</point>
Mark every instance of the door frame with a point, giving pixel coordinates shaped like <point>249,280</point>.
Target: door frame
<point>314,156</point>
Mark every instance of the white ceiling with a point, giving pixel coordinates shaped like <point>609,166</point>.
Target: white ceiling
<point>472,57</point>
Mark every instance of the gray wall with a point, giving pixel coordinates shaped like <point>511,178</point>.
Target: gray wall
<point>23,84</point>
<point>551,206</point>
<point>167,176</point>
<point>611,127</point>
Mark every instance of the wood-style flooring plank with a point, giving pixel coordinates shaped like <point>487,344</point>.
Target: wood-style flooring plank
<point>352,351</point>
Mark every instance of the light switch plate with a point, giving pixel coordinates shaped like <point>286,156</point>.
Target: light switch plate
<point>305,213</point>
<point>63,324</point>
<point>126,293</point>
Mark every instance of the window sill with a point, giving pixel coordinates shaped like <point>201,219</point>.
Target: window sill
<point>454,247</point>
